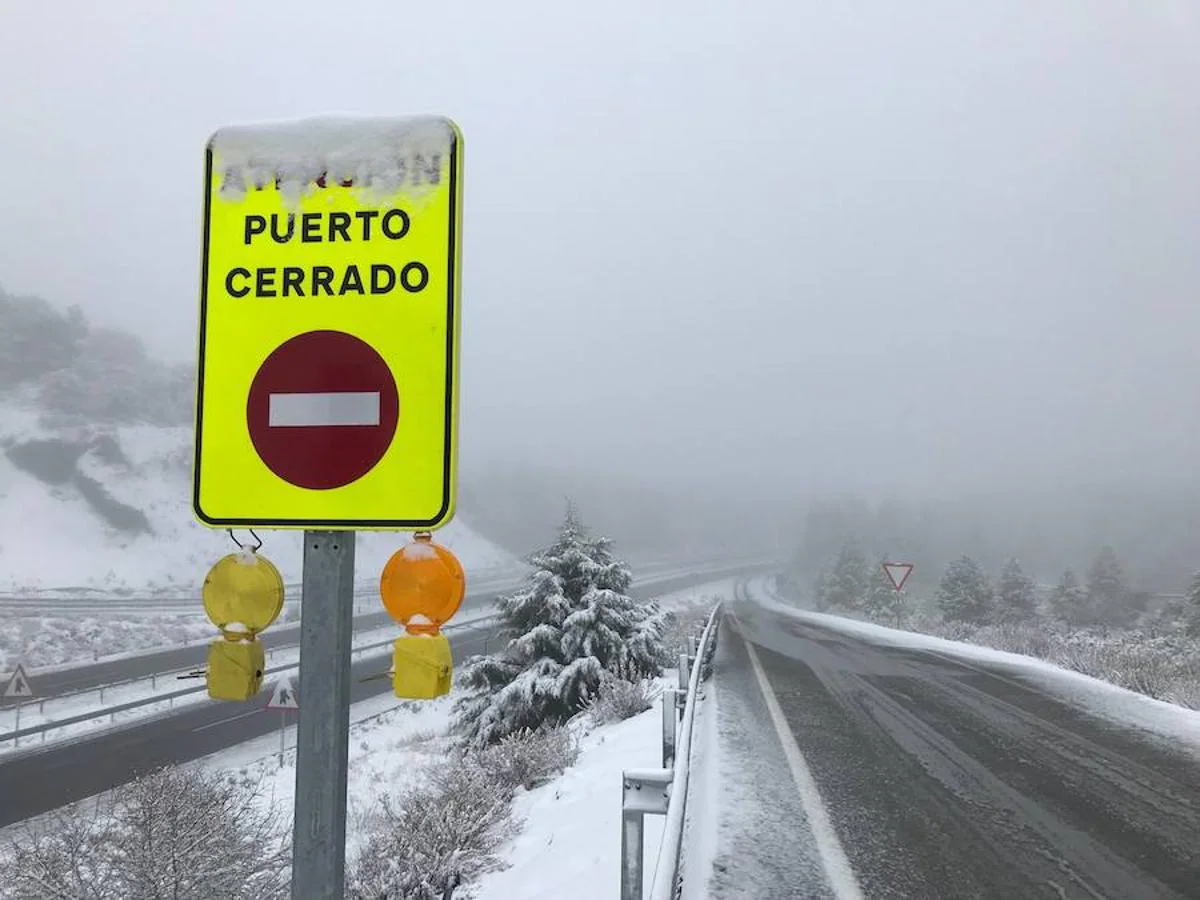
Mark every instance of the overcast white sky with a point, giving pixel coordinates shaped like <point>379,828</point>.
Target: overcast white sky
<point>740,242</point>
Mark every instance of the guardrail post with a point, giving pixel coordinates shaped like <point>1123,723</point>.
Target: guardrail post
<point>642,791</point>
<point>670,703</point>
<point>631,856</point>
<point>684,671</point>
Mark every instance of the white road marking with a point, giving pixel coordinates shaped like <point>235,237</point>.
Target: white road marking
<point>833,857</point>
<point>227,721</point>
<point>323,409</point>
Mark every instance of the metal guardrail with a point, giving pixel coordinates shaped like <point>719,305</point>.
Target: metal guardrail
<point>171,697</point>
<point>111,711</point>
<point>664,791</point>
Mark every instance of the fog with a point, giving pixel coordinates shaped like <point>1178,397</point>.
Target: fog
<point>741,251</point>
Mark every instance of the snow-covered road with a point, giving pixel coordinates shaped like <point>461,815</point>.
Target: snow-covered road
<point>904,770</point>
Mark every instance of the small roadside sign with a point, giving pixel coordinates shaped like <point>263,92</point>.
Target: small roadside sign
<point>898,573</point>
<point>284,695</point>
<point>18,685</point>
<point>329,325</point>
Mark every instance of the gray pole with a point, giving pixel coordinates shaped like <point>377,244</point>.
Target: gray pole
<point>282,735</point>
<point>323,732</point>
<point>632,824</point>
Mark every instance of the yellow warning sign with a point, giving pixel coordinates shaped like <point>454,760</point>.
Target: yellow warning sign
<point>329,325</point>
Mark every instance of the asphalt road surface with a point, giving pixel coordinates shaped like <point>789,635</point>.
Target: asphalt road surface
<point>937,778</point>
<point>41,780</point>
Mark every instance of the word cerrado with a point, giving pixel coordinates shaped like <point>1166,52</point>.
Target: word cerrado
<point>326,228</point>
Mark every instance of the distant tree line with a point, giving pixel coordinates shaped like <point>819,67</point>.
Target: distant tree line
<point>966,593</point>
<point>1048,529</point>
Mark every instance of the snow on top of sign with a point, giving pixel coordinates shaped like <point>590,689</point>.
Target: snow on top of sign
<point>417,550</point>
<point>378,153</point>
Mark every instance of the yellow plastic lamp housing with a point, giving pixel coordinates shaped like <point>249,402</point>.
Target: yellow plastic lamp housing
<point>243,594</point>
<point>422,667</point>
<point>422,586</point>
<point>235,669</point>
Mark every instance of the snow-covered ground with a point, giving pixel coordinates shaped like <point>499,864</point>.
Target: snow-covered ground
<point>1105,700</point>
<point>393,744</point>
<point>569,844</point>
<point>53,539</point>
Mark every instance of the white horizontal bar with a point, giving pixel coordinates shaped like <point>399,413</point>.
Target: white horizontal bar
<point>315,410</point>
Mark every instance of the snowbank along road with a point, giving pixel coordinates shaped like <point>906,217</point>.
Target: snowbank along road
<point>855,768</point>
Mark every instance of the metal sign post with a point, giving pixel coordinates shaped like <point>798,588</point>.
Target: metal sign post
<point>323,732</point>
<point>18,688</point>
<point>298,385</point>
<point>283,698</point>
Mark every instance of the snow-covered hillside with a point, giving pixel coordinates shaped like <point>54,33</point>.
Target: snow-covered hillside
<point>109,508</point>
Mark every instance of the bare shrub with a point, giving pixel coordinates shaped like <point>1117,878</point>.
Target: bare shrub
<point>175,834</point>
<point>527,758</point>
<point>434,837</point>
<point>687,621</point>
<point>447,831</point>
<point>1164,665</point>
<point>618,700</point>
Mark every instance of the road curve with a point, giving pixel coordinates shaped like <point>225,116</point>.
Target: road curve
<point>944,779</point>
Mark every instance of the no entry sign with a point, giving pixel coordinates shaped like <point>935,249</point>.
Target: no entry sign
<point>322,410</point>
<point>329,324</point>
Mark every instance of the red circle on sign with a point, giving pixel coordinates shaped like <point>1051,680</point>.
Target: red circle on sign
<point>322,409</point>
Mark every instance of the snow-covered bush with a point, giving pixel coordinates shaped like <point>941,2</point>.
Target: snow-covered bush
<point>570,625</point>
<point>528,758</point>
<point>434,837</point>
<point>619,699</point>
<point>175,834</point>
<point>446,832</point>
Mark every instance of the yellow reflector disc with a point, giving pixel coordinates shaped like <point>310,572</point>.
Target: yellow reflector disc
<point>243,594</point>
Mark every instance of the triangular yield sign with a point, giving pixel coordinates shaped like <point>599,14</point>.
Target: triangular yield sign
<point>18,685</point>
<point>898,573</point>
<point>284,696</point>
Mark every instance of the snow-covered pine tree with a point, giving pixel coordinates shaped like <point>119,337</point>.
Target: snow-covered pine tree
<point>964,594</point>
<point>568,628</point>
<point>1067,598</point>
<point>1192,605</point>
<point>1108,599</point>
<point>846,585</point>
<point>1014,594</point>
<point>883,600</point>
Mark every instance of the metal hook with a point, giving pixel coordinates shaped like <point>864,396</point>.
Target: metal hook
<point>257,545</point>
